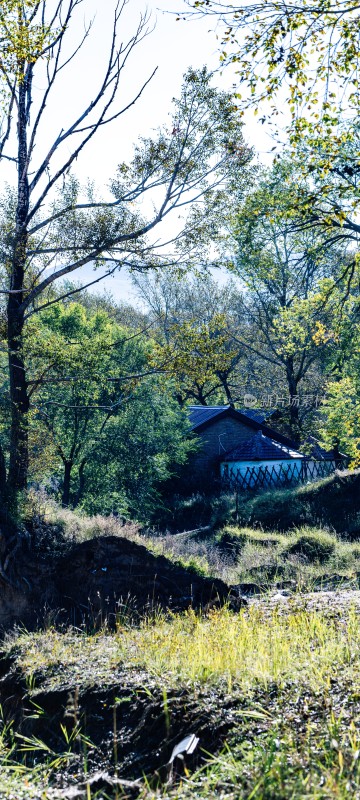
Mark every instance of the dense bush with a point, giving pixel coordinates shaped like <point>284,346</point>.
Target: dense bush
<point>316,547</point>
<point>197,511</point>
<point>273,510</point>
<point>231,542</point>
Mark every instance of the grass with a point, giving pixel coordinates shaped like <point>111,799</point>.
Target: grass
<point>283,678</point>
<point>255,647</point>
<point>290,681</point>
<point>305,556</point>
<point>48,518</point>
<point>331,502</point>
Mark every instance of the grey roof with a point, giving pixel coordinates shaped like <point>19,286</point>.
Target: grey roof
<point>261,448</point>
<point>200,414</point>
<point>320,454</point>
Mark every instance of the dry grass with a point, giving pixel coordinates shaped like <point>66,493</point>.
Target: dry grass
<point>264,557</point>
<point>74,525</point>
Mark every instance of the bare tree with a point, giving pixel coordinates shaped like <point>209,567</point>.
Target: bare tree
<point>54,229</point>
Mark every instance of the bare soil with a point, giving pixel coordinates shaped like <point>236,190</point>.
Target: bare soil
<point>96,581</point>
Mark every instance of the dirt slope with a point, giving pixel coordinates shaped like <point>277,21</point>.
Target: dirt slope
<point>93,581</point>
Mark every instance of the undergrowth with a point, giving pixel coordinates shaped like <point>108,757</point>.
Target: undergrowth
<point>290,681</point>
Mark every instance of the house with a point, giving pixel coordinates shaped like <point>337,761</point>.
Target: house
<point>221,430</point>
<point>240,444</point>
<point>276,460</point>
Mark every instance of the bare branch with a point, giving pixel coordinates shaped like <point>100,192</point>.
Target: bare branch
<point>110,79</point>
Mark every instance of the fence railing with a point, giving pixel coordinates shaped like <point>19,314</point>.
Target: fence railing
<point>266,477</point>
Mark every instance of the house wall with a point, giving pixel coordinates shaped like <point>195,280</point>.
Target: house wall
<point>217,439</point>
<point>240,467</point>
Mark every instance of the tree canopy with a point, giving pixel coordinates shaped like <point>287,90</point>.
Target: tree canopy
<point>305,53</point>
<point>52,226</point>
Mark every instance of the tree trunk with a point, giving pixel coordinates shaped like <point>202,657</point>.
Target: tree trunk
<point>81,486</point>
<point>227,390</point>
<point>293,399</point>
<point>19,453</point>
<point>65,499</point>
<point>2,472</point>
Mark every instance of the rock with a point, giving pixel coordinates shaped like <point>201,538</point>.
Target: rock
<point>280,597</point>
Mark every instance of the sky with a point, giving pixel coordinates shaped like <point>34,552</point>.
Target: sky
<point>170,47</point>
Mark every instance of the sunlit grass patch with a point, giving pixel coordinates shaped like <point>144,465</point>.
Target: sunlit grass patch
<point>245,649</point>
<point>289,680</point>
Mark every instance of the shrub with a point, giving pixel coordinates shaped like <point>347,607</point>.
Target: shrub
<point>196,511</point>
<point>263,539</point>
<point>231,541</point>
<point>314,546</point>
<point>333,502</point>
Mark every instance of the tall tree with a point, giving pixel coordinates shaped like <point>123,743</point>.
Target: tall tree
<point>143,446</point>
<point>282,263</point>
<point>84,369</point>
<point>55,228</point>
<point>193,319</point>
<point>340,419</point>
<point>305,56</point>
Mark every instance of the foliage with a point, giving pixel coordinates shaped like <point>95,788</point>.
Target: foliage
<point>230,542</point>
<point>309,51</point>
<point>340,423</point>
<point>193,320</point>
<point>283,264</point>
<point>186,513</point>
<point>23,40</point>
<point>52,225</point>
<point>306,55</point>
<point>332,501</point>
<point>83,368</point>
<point>195,355</point>
<point>319,547</point>
<point>141,448</point>
<point>93,394</point>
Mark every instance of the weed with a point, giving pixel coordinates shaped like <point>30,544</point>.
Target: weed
<point>315,547</point>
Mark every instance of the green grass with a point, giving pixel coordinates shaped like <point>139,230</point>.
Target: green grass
<point>255,647</point>
<point>304,556</point>
<point>290,679</point>
<point>287,676</point>
<point>332,502</point>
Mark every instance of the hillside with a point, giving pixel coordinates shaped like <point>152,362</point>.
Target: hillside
<point>239,644</point>
<point>270,694</point>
